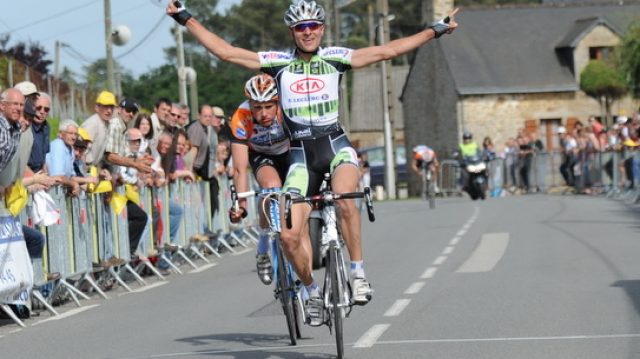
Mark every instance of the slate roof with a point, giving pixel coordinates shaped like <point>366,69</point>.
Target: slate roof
<point>581,28</point>
<point>513,50</point>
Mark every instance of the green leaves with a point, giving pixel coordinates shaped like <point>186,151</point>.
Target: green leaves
<point>600,79</point>
<point>629,58</point>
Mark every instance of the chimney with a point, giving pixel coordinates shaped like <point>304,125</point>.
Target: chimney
<point>434,10</point>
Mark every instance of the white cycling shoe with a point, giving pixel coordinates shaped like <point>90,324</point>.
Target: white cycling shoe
<point>314,307</point>
<point>361,291</point>
<point>263,265</point>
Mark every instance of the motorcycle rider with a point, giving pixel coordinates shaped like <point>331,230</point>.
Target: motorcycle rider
<point>468,148</point>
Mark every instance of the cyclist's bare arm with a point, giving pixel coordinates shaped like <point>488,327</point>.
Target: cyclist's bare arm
<point>414,167</point>
<point>369,55</point>
<point>240,155</point>
<point>218,46</point>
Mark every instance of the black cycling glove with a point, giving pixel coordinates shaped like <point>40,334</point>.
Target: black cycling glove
<point>440,27</point>
<point>182,16</point>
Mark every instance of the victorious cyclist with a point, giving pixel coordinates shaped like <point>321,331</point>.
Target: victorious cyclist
<point>308,80</point>
<point>258,139</point>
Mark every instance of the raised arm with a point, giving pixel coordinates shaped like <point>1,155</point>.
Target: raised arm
<point>212,42</point>
<point>369,55</point>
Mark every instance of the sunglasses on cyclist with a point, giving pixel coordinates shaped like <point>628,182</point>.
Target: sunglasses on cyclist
<point>313,26</point>
<point>41,108</point>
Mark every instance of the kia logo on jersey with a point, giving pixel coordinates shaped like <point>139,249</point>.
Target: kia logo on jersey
<point>307,86</point>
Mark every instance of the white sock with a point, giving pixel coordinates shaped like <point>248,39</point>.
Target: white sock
<point>357,269</point>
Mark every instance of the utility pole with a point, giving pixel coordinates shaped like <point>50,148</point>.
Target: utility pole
<point>344,94</point>
<point>182,76</point>
<point>387,93</point>
<point>372,24</point>
<point>56,83</point>
<point>109,44</point>
<point>10,72</point>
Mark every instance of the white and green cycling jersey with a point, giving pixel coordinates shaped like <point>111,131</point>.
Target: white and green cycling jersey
<point>309,91</point>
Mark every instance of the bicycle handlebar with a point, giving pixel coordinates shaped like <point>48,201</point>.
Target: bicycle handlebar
<point>235,196</point>
<point>329,197</point>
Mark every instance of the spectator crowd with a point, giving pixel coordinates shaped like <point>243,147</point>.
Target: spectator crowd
<point>117,146</point>
<point>587,155</point>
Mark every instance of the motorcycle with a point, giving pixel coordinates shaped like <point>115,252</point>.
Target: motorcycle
<point>476,181</point>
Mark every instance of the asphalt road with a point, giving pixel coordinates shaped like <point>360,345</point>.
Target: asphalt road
<point>518,277</point>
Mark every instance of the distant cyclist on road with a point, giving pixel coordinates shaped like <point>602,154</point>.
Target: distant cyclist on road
<point>425,158</point>
<point>308,79</point>
<point>258,139</point>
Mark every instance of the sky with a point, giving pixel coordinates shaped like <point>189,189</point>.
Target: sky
<point>80,24</point>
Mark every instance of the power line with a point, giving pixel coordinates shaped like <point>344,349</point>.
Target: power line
<point>77,54</point>
<point>143,39</point>
<point>53,16</point>
<point>92,23</point>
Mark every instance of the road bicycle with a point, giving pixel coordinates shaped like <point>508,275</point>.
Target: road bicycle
<point>338,299</point>
<point>288,289</point>
<point>428,186</point>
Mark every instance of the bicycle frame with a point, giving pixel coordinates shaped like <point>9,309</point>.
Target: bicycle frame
<point>286,287</point>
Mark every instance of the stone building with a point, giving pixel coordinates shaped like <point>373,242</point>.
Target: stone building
<point>510,68</point>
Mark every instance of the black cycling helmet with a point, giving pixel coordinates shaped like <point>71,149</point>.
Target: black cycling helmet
<point>466,135</point>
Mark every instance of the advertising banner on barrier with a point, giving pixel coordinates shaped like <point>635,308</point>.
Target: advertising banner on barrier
<point>16,272</point>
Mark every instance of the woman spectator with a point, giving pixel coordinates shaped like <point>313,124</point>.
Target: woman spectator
<point>525,159</point>
<point>143,123</point>
<point>184,158</point>
<point>488,150</point>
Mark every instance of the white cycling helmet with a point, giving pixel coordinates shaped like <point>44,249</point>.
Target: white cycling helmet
<point>303,11</point>
<point>261,88</point>
<point>420,148</point>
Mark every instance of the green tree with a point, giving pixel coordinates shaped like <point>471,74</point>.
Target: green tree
<point>96,74</point>
<point>629,58</point>
<point>604,83</point>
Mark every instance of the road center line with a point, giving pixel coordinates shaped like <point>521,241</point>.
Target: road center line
<point>455,241</point>
<point>415,288</point>
<point>440,260</point>
<point>397,307</point>
<point>488,253</point>
<point>368,339</point>
<point>448,250</point>
<point>429,273</point>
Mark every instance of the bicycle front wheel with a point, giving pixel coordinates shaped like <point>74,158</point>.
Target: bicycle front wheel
<point>431,194</point>
<point>285,292</point>
<point>337,310</point>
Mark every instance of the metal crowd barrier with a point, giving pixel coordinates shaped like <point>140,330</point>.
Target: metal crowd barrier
<point>614,173</point>
<point>90,233</point>
<point>449,178</point>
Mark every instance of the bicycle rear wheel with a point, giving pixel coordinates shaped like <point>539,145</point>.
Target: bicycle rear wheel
<point>337,311</point>
<point>285,293</point>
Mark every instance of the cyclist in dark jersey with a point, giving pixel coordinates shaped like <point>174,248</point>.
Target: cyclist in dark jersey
<point>308,80</point>
<point>258,140</point>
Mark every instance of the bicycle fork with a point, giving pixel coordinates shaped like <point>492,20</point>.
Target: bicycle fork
<point>332,247</point>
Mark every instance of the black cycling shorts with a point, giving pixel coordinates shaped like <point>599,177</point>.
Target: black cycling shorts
<point>279,162</point>
<point>310,159</point>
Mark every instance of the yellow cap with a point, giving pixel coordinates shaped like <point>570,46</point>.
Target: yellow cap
<point>630,143</point>
<point>106,98</point>
<point>84,134</point>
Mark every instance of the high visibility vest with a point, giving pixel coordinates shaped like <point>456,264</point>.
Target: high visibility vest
<point>468,149</point>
